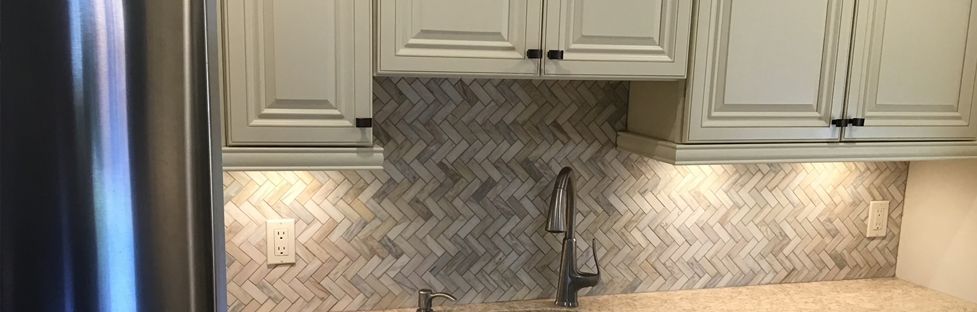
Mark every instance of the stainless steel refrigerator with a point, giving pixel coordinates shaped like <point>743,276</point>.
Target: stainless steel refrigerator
<point>110,188</point>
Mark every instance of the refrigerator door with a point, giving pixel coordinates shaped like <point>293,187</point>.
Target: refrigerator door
<point>110,189</point>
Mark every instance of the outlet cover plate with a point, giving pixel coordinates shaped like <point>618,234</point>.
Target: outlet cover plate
<point>878,219</point>
<point>280,241</point>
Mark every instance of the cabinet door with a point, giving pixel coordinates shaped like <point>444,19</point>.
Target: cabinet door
<point>297,72</point>
<point>769,70</point>
<point>463,37</point>
<point>913,70</point>
<point>628,39</point>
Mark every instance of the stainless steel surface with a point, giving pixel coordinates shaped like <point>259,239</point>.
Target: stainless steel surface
<point>561,219</point>
<point>213,40</point>
<point>106,165</point>
<point>561,204</point>
<point>426,296</point>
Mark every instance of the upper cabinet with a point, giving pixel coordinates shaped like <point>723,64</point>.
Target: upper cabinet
<point>621,39</point>
<point>769,70</point>
<point>450,36</point>
<point>913,70</point>
<point>816,80</point>
<point>296,74</point>
<point>725,81</point>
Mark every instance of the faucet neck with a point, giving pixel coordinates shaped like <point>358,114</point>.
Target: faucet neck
<point>562,211</point>
<point>570,211</point>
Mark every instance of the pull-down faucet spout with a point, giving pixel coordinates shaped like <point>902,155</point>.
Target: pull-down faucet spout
<point>561,213</point>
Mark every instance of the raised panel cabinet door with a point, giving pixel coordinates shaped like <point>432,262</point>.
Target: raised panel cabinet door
<point>458,37</point>
<point>769,70</point>
<point>913,70</point>
<point>297,72</point>
<point>627,39</point>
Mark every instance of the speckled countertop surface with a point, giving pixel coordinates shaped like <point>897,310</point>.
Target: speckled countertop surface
<point>846,296</point>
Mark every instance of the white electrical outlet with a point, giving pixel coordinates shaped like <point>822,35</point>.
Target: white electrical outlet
<point>280,241</point>
<point>878,219</point>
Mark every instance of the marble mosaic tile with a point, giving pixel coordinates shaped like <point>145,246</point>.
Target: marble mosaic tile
<point>460,207</point>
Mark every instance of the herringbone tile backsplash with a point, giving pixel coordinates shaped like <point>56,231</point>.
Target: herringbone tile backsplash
<point>460,207</point>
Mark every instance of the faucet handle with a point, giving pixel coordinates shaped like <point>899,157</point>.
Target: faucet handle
<point>593,248</point>
<point>426,296</point>
<point>591,279</point>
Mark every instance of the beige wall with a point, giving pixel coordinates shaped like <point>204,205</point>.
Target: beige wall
<point>938,247</point>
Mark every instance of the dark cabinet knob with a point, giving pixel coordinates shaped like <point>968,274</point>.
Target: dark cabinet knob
<point>554,54</point>
<point>364,122</point>
<point>850,122</point>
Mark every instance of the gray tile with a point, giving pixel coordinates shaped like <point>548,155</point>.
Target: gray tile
<point>460,207</point>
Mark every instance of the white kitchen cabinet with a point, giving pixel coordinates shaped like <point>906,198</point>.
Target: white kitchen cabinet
<point>613,39</point>
<point>473,37</point>
<point>770,81</point>
<point>769,70</point>
<point>296,73</point>
<point>913,70</point>
<point>620,38</point>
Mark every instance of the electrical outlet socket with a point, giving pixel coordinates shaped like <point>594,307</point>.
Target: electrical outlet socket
<point>280,241</point>
<point>878,219</point>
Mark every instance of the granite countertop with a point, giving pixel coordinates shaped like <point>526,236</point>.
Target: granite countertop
<point>847,296</point>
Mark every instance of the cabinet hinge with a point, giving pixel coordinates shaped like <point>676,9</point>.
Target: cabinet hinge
<point>364,122</point>
<point>534,53</point>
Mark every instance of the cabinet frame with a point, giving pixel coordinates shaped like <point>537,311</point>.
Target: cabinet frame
<point>251,121</point>
<point>710,122</point>
<point>354,153</point>
<point>950,122</point>
<point>670,64</point>
<point>619,57</point>
<point>662,115</point>
<point>398,52</point>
